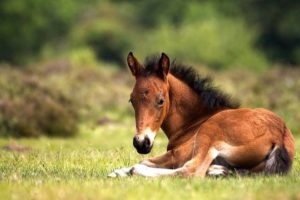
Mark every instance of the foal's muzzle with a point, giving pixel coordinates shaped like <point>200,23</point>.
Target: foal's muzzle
<point>143,146</point>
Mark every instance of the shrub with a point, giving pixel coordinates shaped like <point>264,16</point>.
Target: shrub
<point>29,108</point>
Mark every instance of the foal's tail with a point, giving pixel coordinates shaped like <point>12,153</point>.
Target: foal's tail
<point>280,159</point>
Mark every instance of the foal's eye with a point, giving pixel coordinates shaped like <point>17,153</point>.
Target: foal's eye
<point>160,102</point>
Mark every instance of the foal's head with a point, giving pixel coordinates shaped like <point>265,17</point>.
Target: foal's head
<point>150,100</point>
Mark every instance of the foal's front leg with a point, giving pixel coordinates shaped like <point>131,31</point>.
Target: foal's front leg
<point>143,170</point>
<point>167,164</point>
<point>125,171</point>
<point>197,166</point>
<point>167,160</point>
<point>163,165</point>
<point>146,171</point>
<point>152,167</point>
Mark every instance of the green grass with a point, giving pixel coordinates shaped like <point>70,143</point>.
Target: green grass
<point>77,169</point>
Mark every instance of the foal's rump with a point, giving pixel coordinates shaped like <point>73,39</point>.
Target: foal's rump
<point>254,139</point>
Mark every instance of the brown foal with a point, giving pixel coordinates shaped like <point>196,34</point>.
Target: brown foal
<point>208,134</point>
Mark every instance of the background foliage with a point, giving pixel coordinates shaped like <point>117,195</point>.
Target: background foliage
<point>239,33</point>
<point>63,61</point>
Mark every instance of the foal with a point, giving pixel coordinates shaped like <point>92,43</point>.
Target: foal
<point>207,133</point>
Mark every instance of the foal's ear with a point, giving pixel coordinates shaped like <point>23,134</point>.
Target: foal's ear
<point>133,64</point>
<point>164,64</point>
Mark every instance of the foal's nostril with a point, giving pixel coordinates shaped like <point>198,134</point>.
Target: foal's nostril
<point>147,142</point>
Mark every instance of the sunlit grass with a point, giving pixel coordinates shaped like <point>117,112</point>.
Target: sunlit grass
<point>77,169</point>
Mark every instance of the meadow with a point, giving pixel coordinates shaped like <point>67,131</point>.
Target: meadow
<point>77,168</point>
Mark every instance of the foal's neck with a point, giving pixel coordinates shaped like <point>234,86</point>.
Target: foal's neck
<point>186,109</point>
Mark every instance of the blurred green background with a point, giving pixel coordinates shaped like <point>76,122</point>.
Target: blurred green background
<point>63,62</point>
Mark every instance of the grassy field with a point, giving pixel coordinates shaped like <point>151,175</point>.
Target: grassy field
<point>77,169</point>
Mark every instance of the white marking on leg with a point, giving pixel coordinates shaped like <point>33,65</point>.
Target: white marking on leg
<point>217,173</point>
<point>144,170</point>
<point>120,172</point>
<point>217,170</point>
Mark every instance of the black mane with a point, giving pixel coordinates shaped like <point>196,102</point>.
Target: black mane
<point>212,97</point>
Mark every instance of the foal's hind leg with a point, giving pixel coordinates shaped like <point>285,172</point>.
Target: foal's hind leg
<point>219,167</point>
<point>217,171</point>
<point>200,162</point>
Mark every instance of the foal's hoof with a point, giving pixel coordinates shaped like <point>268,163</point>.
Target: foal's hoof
<point>120,173</point>
<point>217,171</point>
